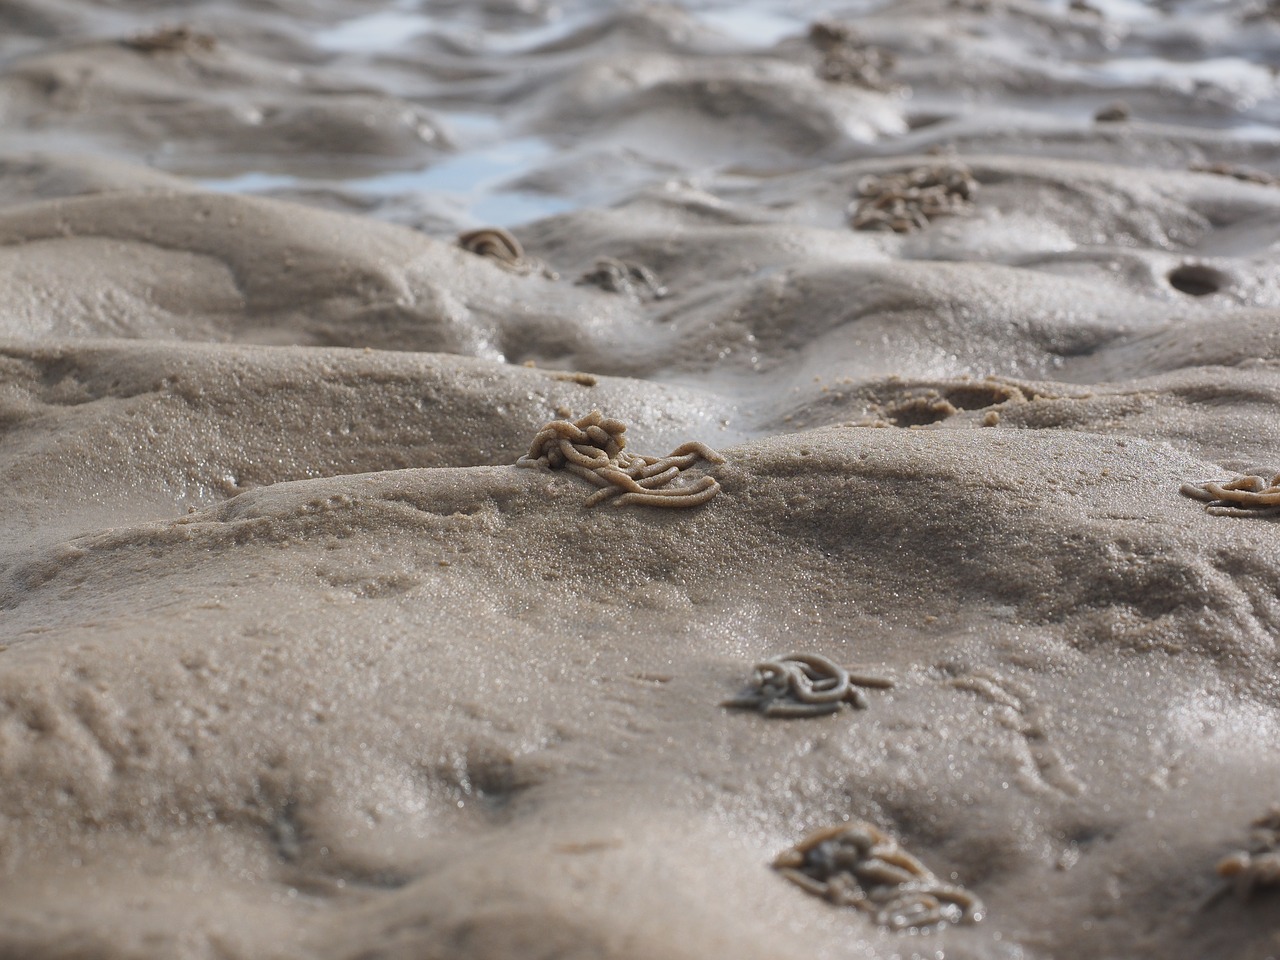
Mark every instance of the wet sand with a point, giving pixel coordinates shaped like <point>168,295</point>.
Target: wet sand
<point>295,662</point>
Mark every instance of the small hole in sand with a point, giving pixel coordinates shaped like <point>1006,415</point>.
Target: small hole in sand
<point>1196,280</point>
<point>975,396</point>
<point>920,411</point>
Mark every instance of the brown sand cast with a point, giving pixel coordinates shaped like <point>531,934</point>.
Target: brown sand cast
<point>502,247</point>
<point>592,448</point>
<point>805,685</point>
<point>858,865</point>
<point>1254,870</point>
<point>496,244</point>
<point>909,201</point>
<point>1247,496</point>
<point>626,277</point>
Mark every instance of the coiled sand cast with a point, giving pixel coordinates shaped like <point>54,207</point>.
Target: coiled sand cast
<point>857,864</point>
<point>1247,496</point>
<point>592,448</point>
<point>805,685</point>
<point>1259,866</point>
